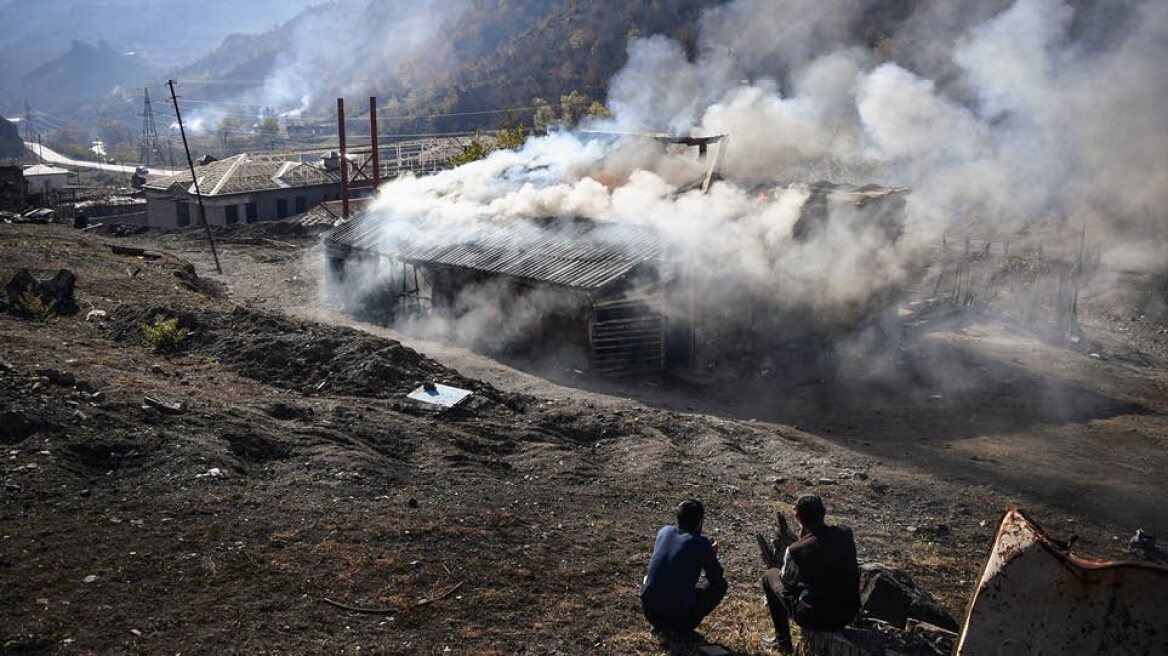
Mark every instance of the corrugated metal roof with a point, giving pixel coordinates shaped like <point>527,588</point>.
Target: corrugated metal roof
<point>579,253</point>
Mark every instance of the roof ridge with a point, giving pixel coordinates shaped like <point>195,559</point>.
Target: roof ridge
<point>227,174</point>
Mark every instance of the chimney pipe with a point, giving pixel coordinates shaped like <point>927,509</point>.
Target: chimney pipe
<point>344,159</point>
<point>373,136</point>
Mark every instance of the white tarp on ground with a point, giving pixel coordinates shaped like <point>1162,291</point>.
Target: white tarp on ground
<point>438,394</point>
<point>1034,598</point>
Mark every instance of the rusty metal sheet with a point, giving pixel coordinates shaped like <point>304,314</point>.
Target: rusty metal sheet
<point>1033,598</point>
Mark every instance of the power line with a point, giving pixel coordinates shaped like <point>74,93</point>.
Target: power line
<point>383,115</point>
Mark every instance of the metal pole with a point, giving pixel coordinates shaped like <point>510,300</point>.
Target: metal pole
<point>344,159</point>
<point>373,136</point>
<point>195,178</point>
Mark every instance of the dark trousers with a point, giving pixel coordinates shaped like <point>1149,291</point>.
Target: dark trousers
<point>781,602</point>
<point>784,604</point>
<point>707,597</point>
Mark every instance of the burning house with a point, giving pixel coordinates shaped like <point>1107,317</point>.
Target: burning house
<point>603,294</point>
<point>597,286</point>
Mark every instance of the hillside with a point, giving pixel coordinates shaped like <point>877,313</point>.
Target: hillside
<point>87,70</point>
<point>423,59</point>
<point>162,32</point>
<point>575,46</point>
<point>295,471</point>
<point>492,54</point>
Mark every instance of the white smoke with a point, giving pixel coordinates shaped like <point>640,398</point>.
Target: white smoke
<point>1022,123</point>
<point>341,47</point>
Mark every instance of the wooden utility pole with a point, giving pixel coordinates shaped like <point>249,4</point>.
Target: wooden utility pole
<point>194,177</point>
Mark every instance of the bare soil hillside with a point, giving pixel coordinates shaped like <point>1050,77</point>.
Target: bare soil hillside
<point>295,471</point>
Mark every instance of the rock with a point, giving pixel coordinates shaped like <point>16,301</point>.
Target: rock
<point>826,481</point>
<point>91,578</point>
<point>157,369</point>
<point>890,594</point>
<point>16,426</point>
<point>58,377</point>
<point>289,412</point>
<point>165,404</point>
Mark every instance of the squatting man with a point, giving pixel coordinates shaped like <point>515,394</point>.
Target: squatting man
<point>816,584</point>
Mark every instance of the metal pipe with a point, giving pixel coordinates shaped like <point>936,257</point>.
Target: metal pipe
<point>344,159</point>
<point>373,136</point>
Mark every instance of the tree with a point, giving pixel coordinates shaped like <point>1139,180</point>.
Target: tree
<point>71,140</point>
<point>545,115</point>
<point>481,146</point>
<point>572,107</point>
<point>477,149</point>
<point>268,129</point>
<point>598,110</point>
<point>228,128</point>
<point>511,139</point>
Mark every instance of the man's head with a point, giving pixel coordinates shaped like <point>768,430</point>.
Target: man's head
<point>690,514</point>
<point>809,510</point>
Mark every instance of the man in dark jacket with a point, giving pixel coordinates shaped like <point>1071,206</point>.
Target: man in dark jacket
<point>819,583</point>
<point>672,598</point>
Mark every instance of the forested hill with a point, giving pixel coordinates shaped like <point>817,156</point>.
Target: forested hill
<point>492,58</point>
<point>490,54</point>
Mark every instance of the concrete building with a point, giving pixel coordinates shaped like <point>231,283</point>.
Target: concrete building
<point>43,179</point>
<point>240,189</point>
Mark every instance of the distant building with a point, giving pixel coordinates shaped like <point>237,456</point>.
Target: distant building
<point>42,178</point>
<point>240,189</point>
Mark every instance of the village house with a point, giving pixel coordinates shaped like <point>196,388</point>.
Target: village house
<point>43,179</point>
<point>241,189</point>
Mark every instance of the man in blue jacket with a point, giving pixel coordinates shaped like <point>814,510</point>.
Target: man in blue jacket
<point>672,598</point>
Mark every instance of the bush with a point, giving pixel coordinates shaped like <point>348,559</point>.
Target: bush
<point>32,305</point>
<point>165,336</point>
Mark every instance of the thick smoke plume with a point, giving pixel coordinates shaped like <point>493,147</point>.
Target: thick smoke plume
<point>341,45</point>
<point>1036,114</point>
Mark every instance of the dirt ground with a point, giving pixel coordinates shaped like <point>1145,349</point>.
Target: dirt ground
<point>296,472</point>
